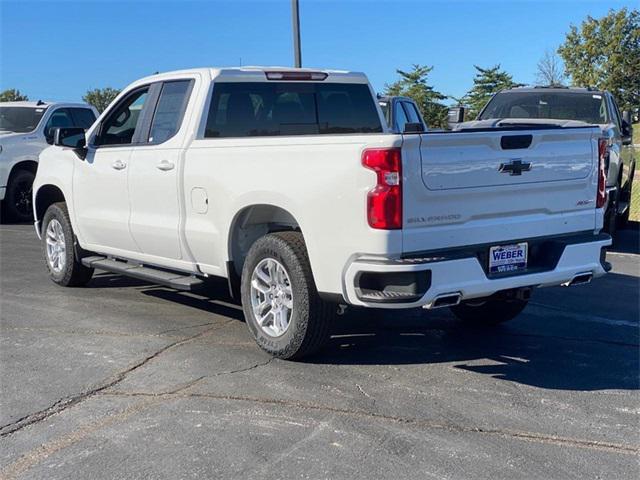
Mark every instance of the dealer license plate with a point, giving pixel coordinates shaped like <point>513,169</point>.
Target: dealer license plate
<point>508,258</point>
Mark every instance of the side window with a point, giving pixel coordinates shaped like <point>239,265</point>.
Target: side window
<point>120,126</point>
<point>59,118</point>
<point>82,117</point>
<point>412,113</point>
<point>169,111</point>
<point>616,113</point>
<point>401,117</point>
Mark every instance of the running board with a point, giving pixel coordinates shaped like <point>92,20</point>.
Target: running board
<point>179,281</point>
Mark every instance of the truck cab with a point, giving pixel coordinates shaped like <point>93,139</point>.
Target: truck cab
<point>401,111</point>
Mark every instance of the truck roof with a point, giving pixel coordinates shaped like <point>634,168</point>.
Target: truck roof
<point>41,104</point>
<point>553,89</point>
<point>257,73</point>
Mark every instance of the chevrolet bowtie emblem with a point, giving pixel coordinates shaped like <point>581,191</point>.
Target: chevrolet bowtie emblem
<point>515,167</point>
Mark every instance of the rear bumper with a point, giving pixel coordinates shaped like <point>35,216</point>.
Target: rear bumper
<point>432,275</point>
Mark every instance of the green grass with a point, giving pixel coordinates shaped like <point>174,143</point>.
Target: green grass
<point>635,188</point>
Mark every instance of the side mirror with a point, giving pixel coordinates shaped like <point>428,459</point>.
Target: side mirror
<point>416,127</point>
<point>71,137</point>
<point>455,116</point>
<point>48,135</point>
<point>626,117</point>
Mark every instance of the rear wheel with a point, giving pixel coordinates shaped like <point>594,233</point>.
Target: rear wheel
<point>611,215</point>
<point>489,311</point>
<point>284,312</point>
<point>17,202</point>
<point>58,247</point>
<point>623,219</point>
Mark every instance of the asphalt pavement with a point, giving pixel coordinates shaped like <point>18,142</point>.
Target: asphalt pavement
<point>123,379</point>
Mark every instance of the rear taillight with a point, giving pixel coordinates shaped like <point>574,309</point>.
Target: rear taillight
<point>603,154</point>
<point>384,202</point>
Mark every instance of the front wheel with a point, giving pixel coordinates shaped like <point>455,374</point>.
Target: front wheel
<point>489,311</point>
<point>58,247</point>
<point>18,204</point>
<point>284,312</point>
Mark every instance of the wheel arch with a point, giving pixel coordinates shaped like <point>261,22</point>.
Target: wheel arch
<point>45,196</point>
<point>250,223</point>
<point>26,164</point>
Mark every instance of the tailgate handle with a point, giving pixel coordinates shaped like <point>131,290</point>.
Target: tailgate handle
<point>514,142</point>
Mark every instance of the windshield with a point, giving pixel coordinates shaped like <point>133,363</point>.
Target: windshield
<point>588,107</point>
<point>20,119</point>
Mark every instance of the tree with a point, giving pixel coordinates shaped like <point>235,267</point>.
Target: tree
<point>486,82</point>
<point>12,95</point>
<point>550,70</point>
<point>605,53</point>
<point>414,84</point>
<point>100,97</point>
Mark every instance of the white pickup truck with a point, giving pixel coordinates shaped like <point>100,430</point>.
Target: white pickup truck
<point>26,128</point>
<point>288,183</point>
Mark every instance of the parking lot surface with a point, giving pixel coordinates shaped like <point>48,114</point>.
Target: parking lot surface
<point>123,379</point>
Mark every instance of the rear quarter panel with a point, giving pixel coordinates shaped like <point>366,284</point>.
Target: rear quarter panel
<point>319,180</point>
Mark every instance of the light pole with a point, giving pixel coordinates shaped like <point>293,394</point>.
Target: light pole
<point>295,18</point>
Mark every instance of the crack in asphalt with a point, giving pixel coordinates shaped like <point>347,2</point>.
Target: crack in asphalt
<point>423,423</point>
<point>164,332</point>
<point>107,333</point>
<point>68,402</point>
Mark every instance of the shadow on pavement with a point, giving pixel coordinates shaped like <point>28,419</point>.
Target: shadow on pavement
<point>507,352</point>
<point>628,239</point>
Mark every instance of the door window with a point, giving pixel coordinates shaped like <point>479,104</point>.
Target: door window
<point>120,126</point>
<point>82,117</point>
<point>616,113</point>
<point>401,117</point>
<point>170,110</point>
<point>60,118</point>
<point>411,112</point>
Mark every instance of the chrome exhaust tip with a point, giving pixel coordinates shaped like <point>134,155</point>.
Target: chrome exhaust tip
<point>445,300</point>
<point>579,279</point>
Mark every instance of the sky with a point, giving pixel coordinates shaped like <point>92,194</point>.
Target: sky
<point>57,50</point>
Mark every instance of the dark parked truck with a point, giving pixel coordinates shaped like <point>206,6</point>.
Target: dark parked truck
<point>563,106</point>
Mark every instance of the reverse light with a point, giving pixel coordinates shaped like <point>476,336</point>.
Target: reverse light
<point>603,157</point>
<point>384,202</point>
<point>293,75</point>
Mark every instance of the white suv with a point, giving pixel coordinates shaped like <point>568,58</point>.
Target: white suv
<point>25,130</point>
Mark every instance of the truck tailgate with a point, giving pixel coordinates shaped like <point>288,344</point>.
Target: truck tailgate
<point>467,188</point>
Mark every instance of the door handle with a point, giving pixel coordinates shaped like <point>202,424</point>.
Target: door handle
<point>119,165</point>
<point>165,166</point>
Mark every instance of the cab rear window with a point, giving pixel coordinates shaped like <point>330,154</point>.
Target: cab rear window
<point>247,109</point>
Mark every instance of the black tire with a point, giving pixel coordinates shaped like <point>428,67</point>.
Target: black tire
<point>489,312</point>
<point>623,219</point>
<point>610,222</point>
<point>71,272</point>
<point>310,318</point>
<point>18,202</point>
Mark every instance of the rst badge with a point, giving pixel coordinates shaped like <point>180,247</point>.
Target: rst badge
<point>508,258</point>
